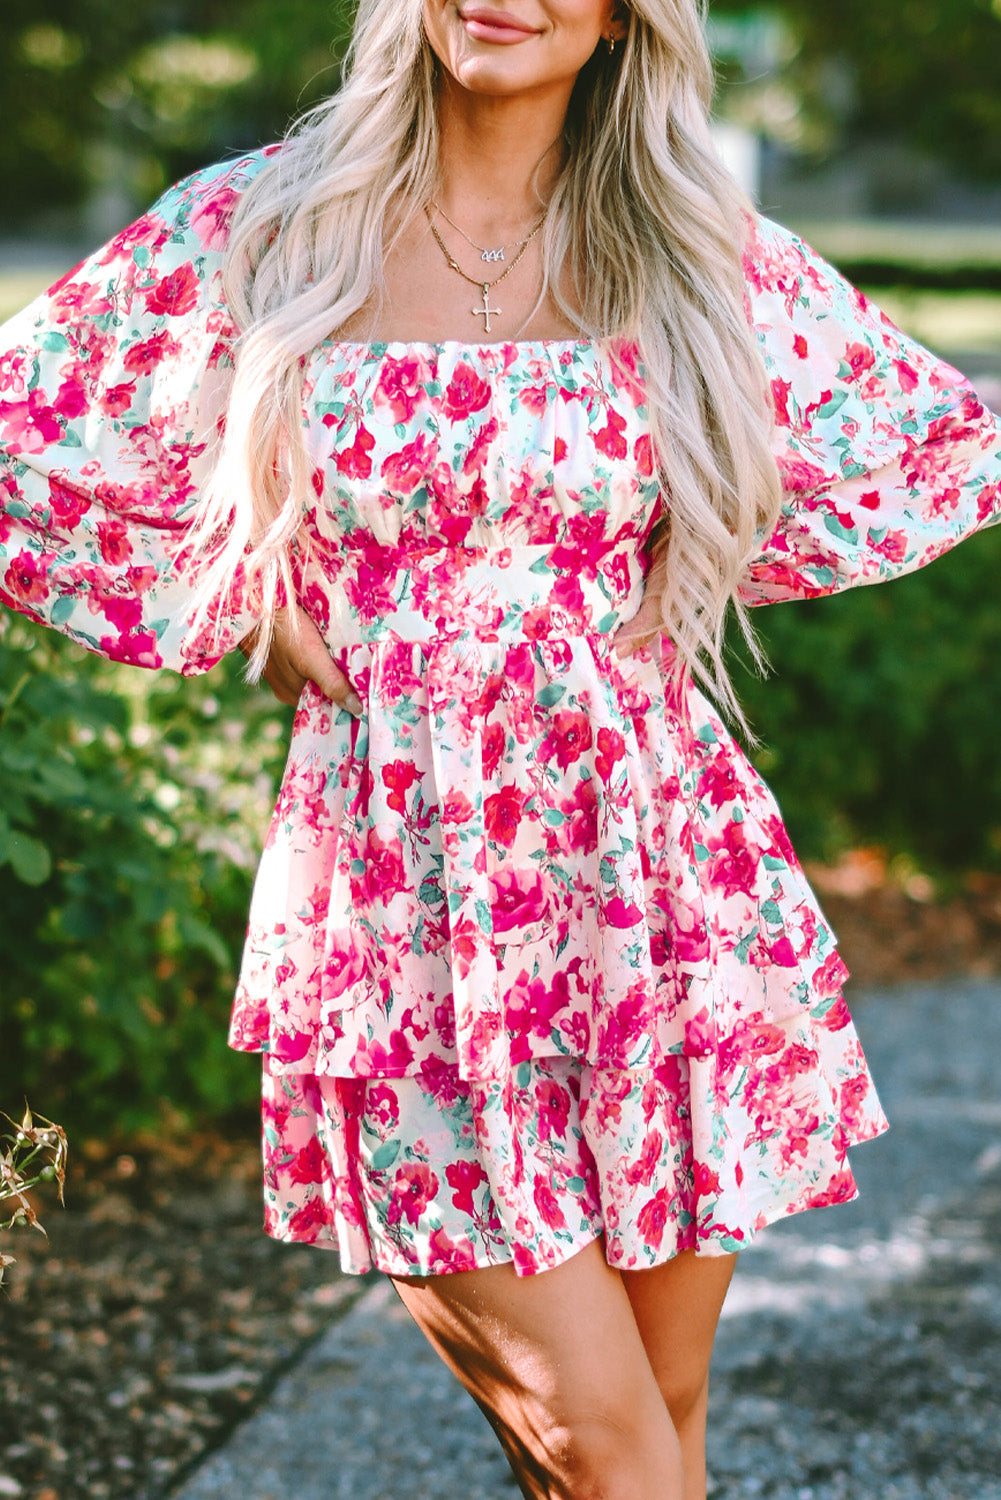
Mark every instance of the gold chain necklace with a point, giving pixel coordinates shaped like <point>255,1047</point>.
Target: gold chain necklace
<point>485,254</point>
<point>486,312</point>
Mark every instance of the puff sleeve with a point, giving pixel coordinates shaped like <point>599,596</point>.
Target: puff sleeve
<point>887,456</point>
<point>113,388</point>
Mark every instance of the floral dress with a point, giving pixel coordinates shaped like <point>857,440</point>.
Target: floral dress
<point>530,958</point>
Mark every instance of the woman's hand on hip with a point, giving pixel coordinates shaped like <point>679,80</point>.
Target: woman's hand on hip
<point>647,623</point>
<point>298,655</point>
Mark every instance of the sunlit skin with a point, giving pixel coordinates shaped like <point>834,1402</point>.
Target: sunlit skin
<point>504,95</point>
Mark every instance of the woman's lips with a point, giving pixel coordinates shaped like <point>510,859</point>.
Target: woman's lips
<point>494,27</point>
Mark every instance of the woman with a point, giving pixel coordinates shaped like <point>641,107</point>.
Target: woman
<point>552,1023</point>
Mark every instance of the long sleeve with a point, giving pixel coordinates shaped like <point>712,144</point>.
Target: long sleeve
<point>888,458</point>
<point>112,391</point>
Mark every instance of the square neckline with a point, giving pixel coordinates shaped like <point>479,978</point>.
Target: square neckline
<point>567,342</point>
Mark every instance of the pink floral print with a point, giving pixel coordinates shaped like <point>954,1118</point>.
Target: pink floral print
<point>530,957</point>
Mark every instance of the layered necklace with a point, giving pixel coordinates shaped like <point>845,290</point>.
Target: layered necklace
<point>486,312</point>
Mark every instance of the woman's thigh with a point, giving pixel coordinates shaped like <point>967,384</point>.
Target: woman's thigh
<point>677,1307</point>
<point>557,1363</point>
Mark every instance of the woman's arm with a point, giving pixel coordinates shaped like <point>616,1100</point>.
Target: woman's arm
<point>113,388</point>
<point>888,457</point>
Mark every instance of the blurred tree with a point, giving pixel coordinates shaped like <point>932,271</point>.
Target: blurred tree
<point>97,92</point>
<point>925,73</point>
<point>136,95</point>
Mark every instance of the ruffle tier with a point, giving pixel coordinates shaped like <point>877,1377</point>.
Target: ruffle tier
<point>432,1173</point>
<point>526,848</point>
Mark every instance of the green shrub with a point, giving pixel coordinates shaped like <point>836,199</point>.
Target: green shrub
<point>880,720</point>
<point>132,807</point>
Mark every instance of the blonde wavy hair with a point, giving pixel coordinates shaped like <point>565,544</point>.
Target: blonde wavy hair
<point>644,217</point>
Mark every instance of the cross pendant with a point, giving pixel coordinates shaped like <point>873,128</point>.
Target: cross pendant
<point>486,310</point>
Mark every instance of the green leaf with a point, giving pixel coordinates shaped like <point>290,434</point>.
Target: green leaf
<point>29,859</point>
<point>551,694</point>
<point>832,407</point>
<point>62,609</point>
<point>843,533</point>
<point>384,1156</point>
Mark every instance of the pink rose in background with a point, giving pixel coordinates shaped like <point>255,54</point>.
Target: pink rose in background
<point>398,776</point>
<point>382,1106</point>
<point>448,1255</point>
<point>548,1204</point>
<point>569,737</point>
<point>799,475</point>
<point>621,913</point>
<point>531,1004</point>
<point>143,358</point>
<point>641,1169</point>
<point>210,218</point>
<point>291,1046</point>
<point>344,966</point>
<point>706,1181</point>
<point>115,542</point>
<point>384,874</point>
<point>311,1163</point>
<point>502,815</point>
<point>117,399</point>
<point>176,294</point>
<point>457,808</point>
<point>464,1177</point>
<point>355,462</point>
<point>859,358</point>
<point>30,425</point>
<point>400,386</point>
<point>610,439</point>
<point>611,748</point>
<point>407,467</point>
<point>517,898</point>
<point>652,1218</point>
<point>26,577</point>
<point>552,1103</point>
<point>467,392</point>
<point>476,456</point>
<point>414,1185</point>
<point>307,1222</point>
<point>72,399</point>
<point>781,391</point>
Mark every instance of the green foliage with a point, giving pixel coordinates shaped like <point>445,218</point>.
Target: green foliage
<point>879,723</point>
<point>132,808</point>
<point>925,72</point>
<point>97,92</point>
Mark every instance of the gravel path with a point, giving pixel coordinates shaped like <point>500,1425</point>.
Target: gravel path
<point>859,1353</point>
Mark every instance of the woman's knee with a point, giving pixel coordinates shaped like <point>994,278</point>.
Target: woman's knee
<point>685,1392</point>
<point>606,1451</point>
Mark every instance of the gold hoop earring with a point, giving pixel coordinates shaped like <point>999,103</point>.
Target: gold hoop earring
<point>610,44</point>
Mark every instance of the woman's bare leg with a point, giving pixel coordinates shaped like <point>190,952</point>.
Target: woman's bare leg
<point>677,1307</point>
<point>559,1364</point>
